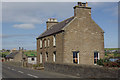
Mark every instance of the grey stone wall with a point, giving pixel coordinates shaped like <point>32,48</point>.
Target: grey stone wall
<point>17,64</point>
<point>82,71</point>
<point>50,49</point>
<point>85,36</point>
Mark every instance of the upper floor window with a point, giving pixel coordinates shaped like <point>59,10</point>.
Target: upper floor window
<point>40,43</point>
<point>45,43</point>
<point>54,40</point>
<point>48,42</point>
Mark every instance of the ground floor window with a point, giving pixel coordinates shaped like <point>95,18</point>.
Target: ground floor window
<point>46,56</point>
<point>54,56</point>
<point>96,57</point>
<point>76,57</point>
<point>40,57</point>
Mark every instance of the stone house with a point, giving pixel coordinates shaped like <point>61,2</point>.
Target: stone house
<point>77,39</point>
<point>15,55</point>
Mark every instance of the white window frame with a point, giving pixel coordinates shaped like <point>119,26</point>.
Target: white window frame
<point>54,40</point>
<point>45,42</point>
<point>78,57</point>
<point>48,42</point>
<point>40,43</point>
<point>40,57</point>
<point>54,56</point>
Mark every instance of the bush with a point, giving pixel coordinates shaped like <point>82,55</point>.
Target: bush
<point>37,65</point>
<point>111,64</point>
<point>34,65</point>
<point>102,61</point>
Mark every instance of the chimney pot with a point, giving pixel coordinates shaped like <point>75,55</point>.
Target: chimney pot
<point>51,22</point>
<point>86,4</point>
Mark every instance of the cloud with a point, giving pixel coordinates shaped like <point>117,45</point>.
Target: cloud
<point>24,26</point>
<point>35,13</point>
<point>17,35</point>
<point>59,0</point>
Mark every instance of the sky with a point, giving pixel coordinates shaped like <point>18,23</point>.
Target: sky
<point>23,22</point>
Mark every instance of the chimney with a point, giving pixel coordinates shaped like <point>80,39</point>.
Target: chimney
<point>82,10</point>
<point>51,22</point>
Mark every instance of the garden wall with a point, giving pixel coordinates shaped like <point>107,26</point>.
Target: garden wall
<point>82,71</point>
<point>18,64</point>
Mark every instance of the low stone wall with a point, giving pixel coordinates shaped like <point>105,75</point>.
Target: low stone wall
<point>18,64</point>
<point>82,71</point>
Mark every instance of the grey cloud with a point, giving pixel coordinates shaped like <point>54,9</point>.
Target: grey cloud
<point>36,13</point>
<point>18,35</point>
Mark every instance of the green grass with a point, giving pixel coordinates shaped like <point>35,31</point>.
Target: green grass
<point>112,54</point>
<point>4,53</point>
<point>30,53</point>
<point>112,48</point>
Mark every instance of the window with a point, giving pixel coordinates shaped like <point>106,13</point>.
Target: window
<point>40,57</point>
<point>76,57</point>
<point>32,59</point>
<point>96,57</point>
<point>54,56</point>
<point>46,56</point>
<point>45,43</point>
<point>48,42</point>
<point>54,40</point>
<point>40,43</point>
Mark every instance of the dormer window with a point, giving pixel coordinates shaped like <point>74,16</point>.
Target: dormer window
<point>54,40</point>
<point>40,43</point>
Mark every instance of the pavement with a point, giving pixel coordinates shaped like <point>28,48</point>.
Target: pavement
<point>9,71</point>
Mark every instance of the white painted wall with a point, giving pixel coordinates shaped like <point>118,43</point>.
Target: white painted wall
<point>30,61</point>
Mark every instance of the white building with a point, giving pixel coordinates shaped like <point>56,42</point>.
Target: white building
<point>32,60</point>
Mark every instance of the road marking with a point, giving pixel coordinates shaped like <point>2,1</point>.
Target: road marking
<point>13,69</point>
<point>32,75</point>
<point>20,72</point>
<point>8,67</point>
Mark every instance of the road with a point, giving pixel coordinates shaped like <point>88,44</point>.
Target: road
<point>9,71</point>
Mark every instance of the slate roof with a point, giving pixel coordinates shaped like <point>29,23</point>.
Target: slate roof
<point>11,55</point>
<point>56,28</point>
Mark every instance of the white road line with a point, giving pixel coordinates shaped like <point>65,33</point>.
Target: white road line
<point>20,72</point>
<point>32,75</point>
<point>8,67</point>
<point>13,69</point>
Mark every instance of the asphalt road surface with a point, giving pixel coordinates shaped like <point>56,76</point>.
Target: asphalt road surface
<point>9,71</point>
